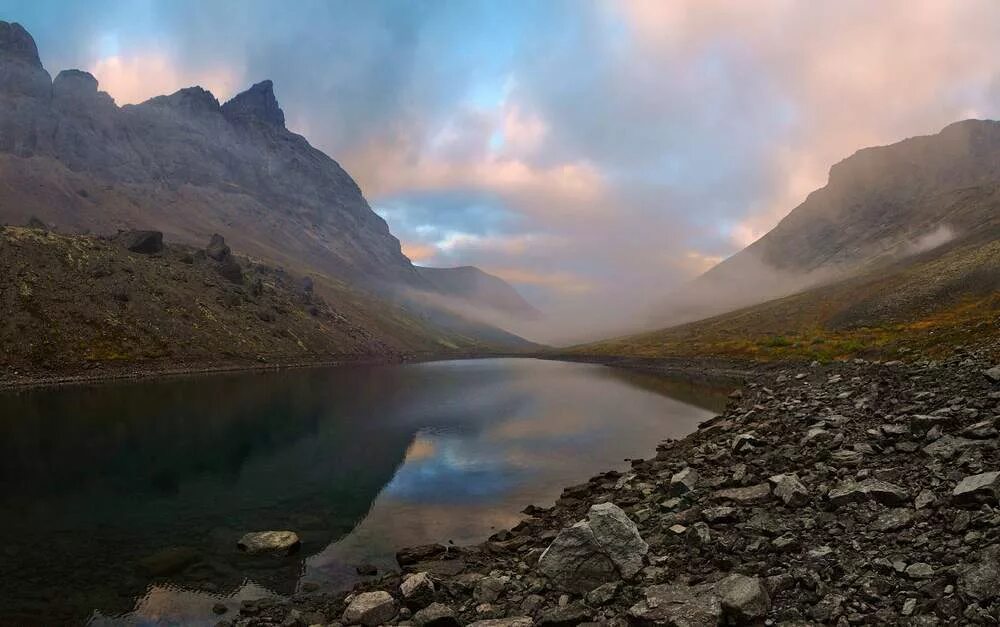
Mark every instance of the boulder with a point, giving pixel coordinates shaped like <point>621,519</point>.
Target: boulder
<point>436,615</point>
<point>977,489</point>
<point>370,608</point>
<point>516,621</point>
<point>417,590</point>
<point>601,549</point>
<point>565,616</point>
<point>743,598</point>
<point>489,589</point>
<point>143,242</point>
<point>414,554</point>
<point>279,542</point>
<point>867,490</point>
<point>678,604</point>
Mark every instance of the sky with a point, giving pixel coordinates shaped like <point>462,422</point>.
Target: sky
<point>596,154</point>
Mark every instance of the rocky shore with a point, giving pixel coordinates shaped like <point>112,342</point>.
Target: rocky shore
<point>847,493</point>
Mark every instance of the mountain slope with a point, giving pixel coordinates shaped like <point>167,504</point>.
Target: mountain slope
<point>479,289</point>
<point>881,203</point>
<point>188,166</point>
<point>182,164</point>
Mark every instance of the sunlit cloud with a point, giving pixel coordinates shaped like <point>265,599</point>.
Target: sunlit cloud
<point>139,77</point>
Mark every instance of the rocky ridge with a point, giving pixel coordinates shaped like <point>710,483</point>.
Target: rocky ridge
<point>850,493</point>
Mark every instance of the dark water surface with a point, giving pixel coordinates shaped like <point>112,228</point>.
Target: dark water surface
<point>122,503</point>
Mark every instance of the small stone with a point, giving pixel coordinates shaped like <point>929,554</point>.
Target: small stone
<point>721,514</point>
<point>220,608</point>
<point>909,607</point>
<point>370,608</point>
<point>925,498</point>
<point>602,595</point>
<point>678,529</point>
<point>746,442</point>
<point>489,589</point>
<point>868,490</point>
<point>744,496</point>
<point>367,570</point>
<point>993,374</point>
<point>517,621</point>
<point>893,520</point>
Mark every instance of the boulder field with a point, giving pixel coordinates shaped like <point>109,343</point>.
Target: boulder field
<point>850,493</point>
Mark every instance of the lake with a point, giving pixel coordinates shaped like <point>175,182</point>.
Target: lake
<point>122,503</point>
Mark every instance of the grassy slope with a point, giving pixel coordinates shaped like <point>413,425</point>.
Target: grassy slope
<point>931,302</point>
<point>80,303</point>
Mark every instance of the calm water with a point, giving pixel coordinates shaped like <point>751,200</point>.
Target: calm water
<point>100,484</point>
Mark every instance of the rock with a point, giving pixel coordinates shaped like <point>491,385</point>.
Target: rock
<point>565,616</point>
<point>993,374</point>
<point>598,550</point>
<point>370,608</point>
<point>678,604</point>
<point>366,570</point>
<point>220,608</point>
<point>217,248</point>
<point>256,105</point>
<point>279,542</point>
<point>948,446</point>
<point>977,489</point>
<point>517,621</point>
<point>417,590</point>
<point>981,580</point>
<point>846,457</point>
<point>602,595</point>
<point>868,490</point>
<point>436,615</point>
<point>919,570</point>
<point>720,514</point>
<point>893,520</point>
<point>925,498</point>
<point>745,442</point>
<point>414,554</point>
<point>683,481</point>
<point>619,537</point>
<point>574,561</point>
<point>744,496</point>
<point>169,561</point>
<point>143,242</point>
<point>789,489</point>
<point>489,589</point>
<point>743,598</point>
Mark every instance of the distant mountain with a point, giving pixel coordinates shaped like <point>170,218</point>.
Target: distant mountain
<point>479,289</point>
<point>188,166</point>
<point>902,246</point>
<point>882,203</point>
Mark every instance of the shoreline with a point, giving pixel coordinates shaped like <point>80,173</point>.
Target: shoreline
<point>843,493</point>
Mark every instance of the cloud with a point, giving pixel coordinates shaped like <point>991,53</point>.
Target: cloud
<point>139,77</point>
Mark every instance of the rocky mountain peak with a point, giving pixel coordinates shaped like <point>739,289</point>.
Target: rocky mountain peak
<point>74,82</point>
<point>256,104</point>
<point>190,99</point>
<point>17,44</point>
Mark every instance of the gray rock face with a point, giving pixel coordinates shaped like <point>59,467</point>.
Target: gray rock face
<point>269,542</point>
<point>978,488</point>
<point>743,598</point>
<point>370,608</point>
<point>255,105</point>
<point>601,549</point>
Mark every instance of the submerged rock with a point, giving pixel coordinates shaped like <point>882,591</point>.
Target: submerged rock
<point>269,542</point>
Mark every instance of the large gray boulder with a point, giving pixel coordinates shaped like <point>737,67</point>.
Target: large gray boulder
<point>603,548</point>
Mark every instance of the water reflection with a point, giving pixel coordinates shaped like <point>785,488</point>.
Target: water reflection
<point>127,500</point>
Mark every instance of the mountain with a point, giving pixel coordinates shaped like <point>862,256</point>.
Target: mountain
<point>182,164</point>
<point>479,289</point>
<point>189,166</point>
<point>882,203</point>
<point>900,248</point>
